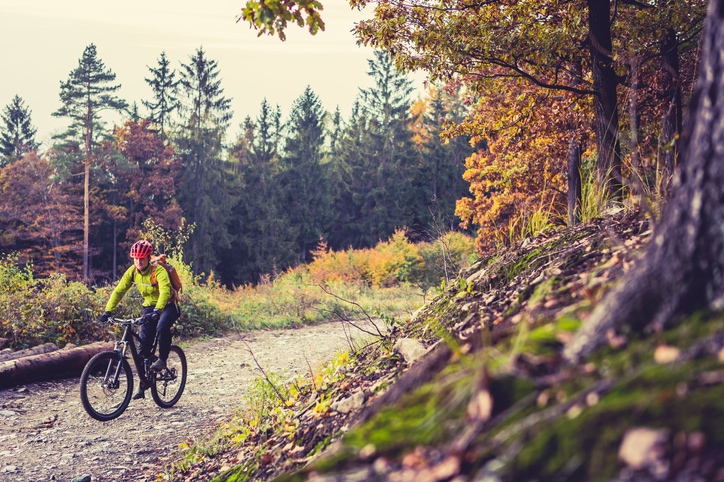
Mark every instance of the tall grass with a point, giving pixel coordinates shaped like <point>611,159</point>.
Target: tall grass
<point>595,196</point>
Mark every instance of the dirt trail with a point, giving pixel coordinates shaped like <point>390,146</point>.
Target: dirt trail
<point>46,435</point>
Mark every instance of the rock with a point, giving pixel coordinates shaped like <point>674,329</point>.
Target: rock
<point>410,349</point>
<point>350,403</point>
<point>82,478</point>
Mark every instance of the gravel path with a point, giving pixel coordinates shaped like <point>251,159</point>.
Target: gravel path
<point>46,435</point>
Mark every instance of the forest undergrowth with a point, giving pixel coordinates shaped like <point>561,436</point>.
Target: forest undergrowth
<point>492,398</point>
<point>391,279</point>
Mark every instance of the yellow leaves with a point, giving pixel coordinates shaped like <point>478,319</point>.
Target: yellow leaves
<point>526,134</point>
<point>321,408</point>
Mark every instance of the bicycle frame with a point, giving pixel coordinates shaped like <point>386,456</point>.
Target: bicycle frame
<point>128,340</point>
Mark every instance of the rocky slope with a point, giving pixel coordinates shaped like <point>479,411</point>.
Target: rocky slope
<point>492,399</point>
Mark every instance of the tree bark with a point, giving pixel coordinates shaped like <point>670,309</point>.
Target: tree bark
<point>36,350</point>
<point>86,196</point>
<point>49,366</point>
<point>682,269</point>
<point>605,104</point>
<point>672,122</point>
<point>574,181</point>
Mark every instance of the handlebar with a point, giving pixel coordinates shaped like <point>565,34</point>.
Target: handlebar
<point>125,321</point>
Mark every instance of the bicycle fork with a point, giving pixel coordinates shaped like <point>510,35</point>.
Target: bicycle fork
<point>111,379</point>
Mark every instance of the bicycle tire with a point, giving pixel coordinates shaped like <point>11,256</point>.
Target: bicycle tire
<point>104,401</point>
<point>168,385</point>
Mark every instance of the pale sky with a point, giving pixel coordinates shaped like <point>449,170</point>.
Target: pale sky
<point>42,41</point>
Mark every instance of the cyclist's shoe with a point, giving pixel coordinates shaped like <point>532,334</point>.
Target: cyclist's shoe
<point>158,365</point>
<point>140,393</point>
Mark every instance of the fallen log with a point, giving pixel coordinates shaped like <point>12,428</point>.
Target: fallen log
<point>64,363</point>
<point>36,350</point>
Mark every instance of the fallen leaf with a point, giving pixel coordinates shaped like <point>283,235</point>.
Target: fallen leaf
<point>481,406</point>
<point>447,468</point>
<point>615,341</point>
<point>666,354</point>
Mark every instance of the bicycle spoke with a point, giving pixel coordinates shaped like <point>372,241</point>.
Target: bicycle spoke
<point>106,386</point>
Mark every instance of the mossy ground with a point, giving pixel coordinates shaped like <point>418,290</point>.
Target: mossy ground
<point>505,321</point>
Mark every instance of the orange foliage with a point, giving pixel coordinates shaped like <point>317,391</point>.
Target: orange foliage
<point>40,216</point>
<point>523,166</point>
<point>391,262</point>
<point>347,266</point>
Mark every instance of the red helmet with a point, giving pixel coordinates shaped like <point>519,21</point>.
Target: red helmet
<point>141,249</point>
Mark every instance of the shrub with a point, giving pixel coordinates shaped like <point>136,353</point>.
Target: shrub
<point>51,310</point>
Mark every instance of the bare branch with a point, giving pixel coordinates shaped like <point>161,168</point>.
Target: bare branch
<point>266,377</point>
<point>379,333</point>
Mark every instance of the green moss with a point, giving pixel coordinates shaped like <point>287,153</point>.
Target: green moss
<point>418,418</point>
<point>432,415</point>
<point>593,437</point>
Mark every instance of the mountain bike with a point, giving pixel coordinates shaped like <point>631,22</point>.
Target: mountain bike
<point>106,384</point>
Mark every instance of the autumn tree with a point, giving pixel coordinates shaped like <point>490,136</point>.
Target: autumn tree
<point>17,136</point>
<point>165,103</point>
<point>40,216</point>
<point>519,167</point>
<point>586,48</point>
<point>141,183</point>
<point>88,92</point>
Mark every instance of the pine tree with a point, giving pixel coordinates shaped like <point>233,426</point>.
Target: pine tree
<point>17,137</point>
<point>304,181</point>
<point>205,198</point>
<point>88,92</point>
<point>354,183</point>
<point>164,85</point>
<point>264,239</point>
<point>389,204</point>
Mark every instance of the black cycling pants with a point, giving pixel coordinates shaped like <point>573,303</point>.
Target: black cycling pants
<point>148,331</point>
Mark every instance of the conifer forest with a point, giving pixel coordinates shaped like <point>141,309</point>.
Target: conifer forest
<point>535,115</point>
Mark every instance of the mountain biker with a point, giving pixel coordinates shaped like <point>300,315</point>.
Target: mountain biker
<point>159,310</point>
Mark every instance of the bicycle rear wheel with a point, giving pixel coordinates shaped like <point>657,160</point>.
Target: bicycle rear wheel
<point>168,384</point>
<point>106,385</point>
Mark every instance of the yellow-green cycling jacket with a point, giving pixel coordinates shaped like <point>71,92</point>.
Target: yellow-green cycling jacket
<point>156,296</point>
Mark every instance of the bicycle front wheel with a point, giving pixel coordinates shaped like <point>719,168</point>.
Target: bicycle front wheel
<point>168,385</point>
<point>106,385</point>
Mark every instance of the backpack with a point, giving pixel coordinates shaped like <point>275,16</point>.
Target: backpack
<point>173,275</point>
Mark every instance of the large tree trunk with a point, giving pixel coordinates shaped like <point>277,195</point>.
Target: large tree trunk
<point>49,366</point>
<point>681,271</point>
<point>605,104</point>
